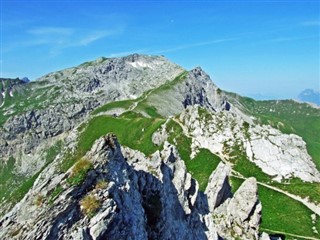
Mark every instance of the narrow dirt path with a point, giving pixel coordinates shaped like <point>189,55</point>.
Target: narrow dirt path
<point>184,128</point>
<point>312,206</point>
<point>289,234</point>
<point>135,104</point>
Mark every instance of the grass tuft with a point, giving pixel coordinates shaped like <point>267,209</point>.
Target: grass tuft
<point>89,205</point>
<point>79,172</point>
<point>101,184</point>
<point>55,194</point>
<point>39,200</point>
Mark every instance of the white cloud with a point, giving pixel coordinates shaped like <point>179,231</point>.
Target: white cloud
<point>94,36</point>
<point>59,38</point>
<point>198,44</point>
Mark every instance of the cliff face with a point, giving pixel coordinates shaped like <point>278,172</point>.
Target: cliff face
<point>131,196</point>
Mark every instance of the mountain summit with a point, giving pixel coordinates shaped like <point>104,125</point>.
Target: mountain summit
<point>310,95</point>
<point>139,148</point>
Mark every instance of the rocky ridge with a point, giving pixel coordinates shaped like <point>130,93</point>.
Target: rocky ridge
<point>190,88</point>
<point>141,198</point>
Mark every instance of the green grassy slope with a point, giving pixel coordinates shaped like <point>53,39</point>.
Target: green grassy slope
<point>281,213</point>
<point>201,167</point>
<point>125,104</point>
<point>149,104</point>
<point>132,132</point>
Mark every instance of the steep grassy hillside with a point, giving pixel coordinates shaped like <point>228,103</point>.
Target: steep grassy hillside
<point>282,214</point>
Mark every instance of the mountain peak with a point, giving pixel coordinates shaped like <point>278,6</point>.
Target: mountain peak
<point>198,71</point>
<point>310,95</point>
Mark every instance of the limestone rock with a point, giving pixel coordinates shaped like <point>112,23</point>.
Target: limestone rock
<point>279,155</point>
<point>194,87</point>
<point>160,136</point>
<point>133,204</point>
<point>218,188</point>
<point>240,216</point>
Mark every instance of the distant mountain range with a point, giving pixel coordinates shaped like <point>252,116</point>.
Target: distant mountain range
<point>310,95</point>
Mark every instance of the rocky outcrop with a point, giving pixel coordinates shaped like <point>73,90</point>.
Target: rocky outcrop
<point>125,77</point>
<point>9,87</point>
<point>190,88</point>
<point>281,156</point>
<point>240,216</point>
<point>218,189</point>
<point>160,136</point>
<point>23,134</point>
<point>136,197</point>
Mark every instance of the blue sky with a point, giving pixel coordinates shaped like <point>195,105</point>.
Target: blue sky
<point>267,49</point>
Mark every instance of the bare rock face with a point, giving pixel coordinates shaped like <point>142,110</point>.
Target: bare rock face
<point>9,87</point>
<point>245,206</point>
<point>218,189</point>
<point>160,136</point>
<point>132,203</point>
<point>235,216</point>
<point>279,155</point>
<point>193,87</point>
<point>183,211</point>
<point>240,216</point>
<point>134,197</point>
